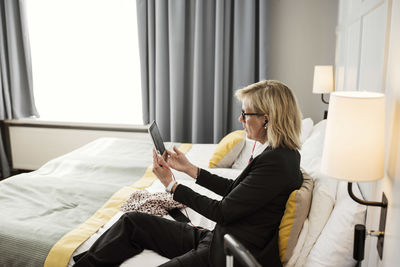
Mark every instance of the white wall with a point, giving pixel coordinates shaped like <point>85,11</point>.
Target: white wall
<point>368,58</point>
<point>302,35</point>
<point>391,184</point>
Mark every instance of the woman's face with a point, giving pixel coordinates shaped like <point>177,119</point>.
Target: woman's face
<point>253,124</point>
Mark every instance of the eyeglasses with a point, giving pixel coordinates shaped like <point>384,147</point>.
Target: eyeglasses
<point>249,114</point>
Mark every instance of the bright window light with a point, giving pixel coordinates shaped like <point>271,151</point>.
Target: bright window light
<point>85,60</point>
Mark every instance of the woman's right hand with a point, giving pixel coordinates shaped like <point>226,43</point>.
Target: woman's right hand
<point>178,161</point>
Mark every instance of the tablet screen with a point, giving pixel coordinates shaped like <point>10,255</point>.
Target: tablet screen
<point>156,137</point>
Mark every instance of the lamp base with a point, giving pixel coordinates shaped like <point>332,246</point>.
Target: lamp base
<point>325,114</point>
<point>323,100</point>
<point>382,204</point>
<point>382,224</point>
<point>382,221</point>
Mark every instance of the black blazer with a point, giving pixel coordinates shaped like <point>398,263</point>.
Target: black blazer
<point>252,205</point>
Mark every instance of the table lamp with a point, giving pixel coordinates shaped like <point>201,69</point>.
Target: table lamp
<point>323,82</point>
<point>354,143</point>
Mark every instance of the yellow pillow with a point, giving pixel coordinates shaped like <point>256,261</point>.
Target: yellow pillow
<point>296,212</point>
<point>228,150</point>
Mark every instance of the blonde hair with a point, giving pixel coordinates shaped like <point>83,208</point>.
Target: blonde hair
<point>277,101</point>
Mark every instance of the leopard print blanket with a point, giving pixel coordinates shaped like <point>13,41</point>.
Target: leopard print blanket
<point>151,203</point>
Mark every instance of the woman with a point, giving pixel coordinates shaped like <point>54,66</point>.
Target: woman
<point>252,205</point>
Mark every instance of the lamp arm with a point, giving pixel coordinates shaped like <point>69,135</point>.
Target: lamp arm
<point>364,202</point>
<point>323,100</point>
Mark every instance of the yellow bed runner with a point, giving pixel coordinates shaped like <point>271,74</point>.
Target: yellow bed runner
<point>62,251</point>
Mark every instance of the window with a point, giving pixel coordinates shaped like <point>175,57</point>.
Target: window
<point>85,60</point>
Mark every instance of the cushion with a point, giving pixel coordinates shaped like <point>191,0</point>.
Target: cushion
<point>334,247</point>
<point>299,245</point>
<point>227,150</point>
<point>243,159</point>
<point>323,201</point>
<point>296,211</point>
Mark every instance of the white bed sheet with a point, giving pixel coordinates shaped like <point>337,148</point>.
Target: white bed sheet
<point>198,155</point>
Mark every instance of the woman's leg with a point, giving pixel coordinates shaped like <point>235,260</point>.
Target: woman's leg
<point>198,257</point>
<point>134,232</point>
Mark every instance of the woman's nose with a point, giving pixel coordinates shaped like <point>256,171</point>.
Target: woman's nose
<point>240,118</point>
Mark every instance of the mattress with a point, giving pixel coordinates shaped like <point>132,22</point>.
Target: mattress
<point>38,209</point>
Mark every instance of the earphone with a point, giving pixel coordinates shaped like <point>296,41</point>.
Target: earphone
<point>254,146</point>
<point>173,178</point>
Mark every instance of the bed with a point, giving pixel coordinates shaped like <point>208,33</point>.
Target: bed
<point>59,210</point>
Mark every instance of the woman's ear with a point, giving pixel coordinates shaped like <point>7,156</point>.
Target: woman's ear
<point>266,120</point>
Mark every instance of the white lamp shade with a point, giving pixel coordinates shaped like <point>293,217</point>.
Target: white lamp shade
<point>323,79</point>
<point>354,140</point>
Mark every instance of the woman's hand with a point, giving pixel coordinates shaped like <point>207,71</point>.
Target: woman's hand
<point>161,169</point>
<point>178,161</point>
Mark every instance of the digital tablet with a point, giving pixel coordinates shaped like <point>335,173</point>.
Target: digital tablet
<point>156,137</point>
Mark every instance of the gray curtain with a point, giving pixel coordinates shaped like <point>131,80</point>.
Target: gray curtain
<point>16,98</point>
<point>194,54</point>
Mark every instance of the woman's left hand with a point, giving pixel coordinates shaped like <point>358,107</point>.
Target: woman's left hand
<point>161,169</point>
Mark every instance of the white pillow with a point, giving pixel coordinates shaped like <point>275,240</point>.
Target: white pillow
<point>306,129</point>
<point>324,195</point>
<point>334,246</point>
<point>311,150</point>
<point>243,158</point>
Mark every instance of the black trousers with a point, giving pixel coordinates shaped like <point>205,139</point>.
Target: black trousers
<point>183,244</point>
